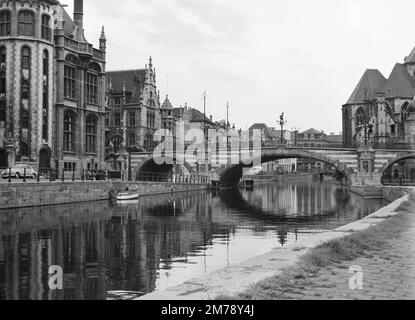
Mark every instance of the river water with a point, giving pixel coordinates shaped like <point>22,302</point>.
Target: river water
<point>161,241</point>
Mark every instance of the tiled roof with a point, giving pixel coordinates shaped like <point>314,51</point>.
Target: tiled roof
<point>400,83</point>
<point>370,83</point>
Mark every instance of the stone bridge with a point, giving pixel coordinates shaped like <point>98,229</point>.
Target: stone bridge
<point>347,162</point>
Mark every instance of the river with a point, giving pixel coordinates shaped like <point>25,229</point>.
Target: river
<point>161,241</point>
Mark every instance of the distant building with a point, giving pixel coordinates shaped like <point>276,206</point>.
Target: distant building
<point>52,88</point>
<point>378,109</point>
<point>133,110</point>
<point>334,140</point>
<point>311,138</point>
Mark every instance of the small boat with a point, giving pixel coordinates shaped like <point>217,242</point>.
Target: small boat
<point>128,196</point>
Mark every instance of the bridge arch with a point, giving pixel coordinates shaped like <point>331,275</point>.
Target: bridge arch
<point>387,168</point>
<point>232,174</point>
<point>149,167</point>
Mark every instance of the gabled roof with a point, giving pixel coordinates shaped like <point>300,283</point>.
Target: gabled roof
<point>370,83</point>
<point>400,83</point>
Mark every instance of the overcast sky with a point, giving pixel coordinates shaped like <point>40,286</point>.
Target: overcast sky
<point>265,57</point>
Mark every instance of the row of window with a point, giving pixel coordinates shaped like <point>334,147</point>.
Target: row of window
<point>26,24</point>
<point>69,133</point>
<point>91,85</point>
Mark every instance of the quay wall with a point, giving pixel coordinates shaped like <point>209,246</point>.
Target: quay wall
<point>265,179</point>
<point>21,195</point>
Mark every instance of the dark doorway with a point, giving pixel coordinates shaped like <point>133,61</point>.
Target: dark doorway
<point>3,159</point>
<point>44,159</point>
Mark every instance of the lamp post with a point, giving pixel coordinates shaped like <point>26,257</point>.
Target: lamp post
<point>227,117</point>
<point>282,123</point>
<point>204,129</point>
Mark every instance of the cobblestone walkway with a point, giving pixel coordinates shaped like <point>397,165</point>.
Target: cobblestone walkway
<point>388,274</point>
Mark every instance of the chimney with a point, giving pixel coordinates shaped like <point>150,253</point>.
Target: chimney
<point>78,13</point>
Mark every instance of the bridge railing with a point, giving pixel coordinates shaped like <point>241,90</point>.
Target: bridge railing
<point>172,178</point>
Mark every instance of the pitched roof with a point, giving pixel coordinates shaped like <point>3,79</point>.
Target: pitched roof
<point>166,104</point>
<point>370,83</point>
<point>68,26</point>
<point>264,128</point>
<point>197,116</point>
<point>411,57</point>
<point>312,131</point>
<point>400,83</point>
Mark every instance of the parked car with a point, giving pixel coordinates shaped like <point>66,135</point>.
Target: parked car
<point>18,172</point>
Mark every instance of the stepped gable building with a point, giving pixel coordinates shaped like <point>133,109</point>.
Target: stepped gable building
<point>379,108</point>
<point>52,87</point>
<point>134,109</point>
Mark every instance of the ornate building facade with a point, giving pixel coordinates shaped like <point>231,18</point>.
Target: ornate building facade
<point>52,87</point>
<point>133,112</point>
<point>377,112</point>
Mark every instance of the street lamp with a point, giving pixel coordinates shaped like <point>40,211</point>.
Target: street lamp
<point>282,123</point>
<point>227,117</point>
<point>204,128</point>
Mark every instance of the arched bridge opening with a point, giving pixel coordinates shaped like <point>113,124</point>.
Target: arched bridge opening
<point>151,170</point>
<point>231,175</point>
<point>400,171</point>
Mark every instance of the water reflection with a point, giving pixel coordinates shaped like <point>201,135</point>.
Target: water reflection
<point>162,241</point>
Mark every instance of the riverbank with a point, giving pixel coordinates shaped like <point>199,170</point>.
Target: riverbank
<point>22,195</point>
<point>237,280</point>
<point>384,253</point>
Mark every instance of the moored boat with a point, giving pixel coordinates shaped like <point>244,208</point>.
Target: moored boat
<point>128,196</point>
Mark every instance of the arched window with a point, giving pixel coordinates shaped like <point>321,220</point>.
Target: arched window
<point>69,131</point>
<point>24,119</point>
<point>91,134</point>
<point>91,83</point>
<point>45,95</point>
<point>404,112</point>
<point>5,23</point>
<point>26,23</point>
<point>24,150</point>
<point>70,75</point>
<point>26,58</point>
<point>91,88</point>
<point>45,28</point>
<point>3,57</point>
<point>360,116</point>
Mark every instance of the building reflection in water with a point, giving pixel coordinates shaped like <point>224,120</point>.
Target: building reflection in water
<point>160,241</point>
